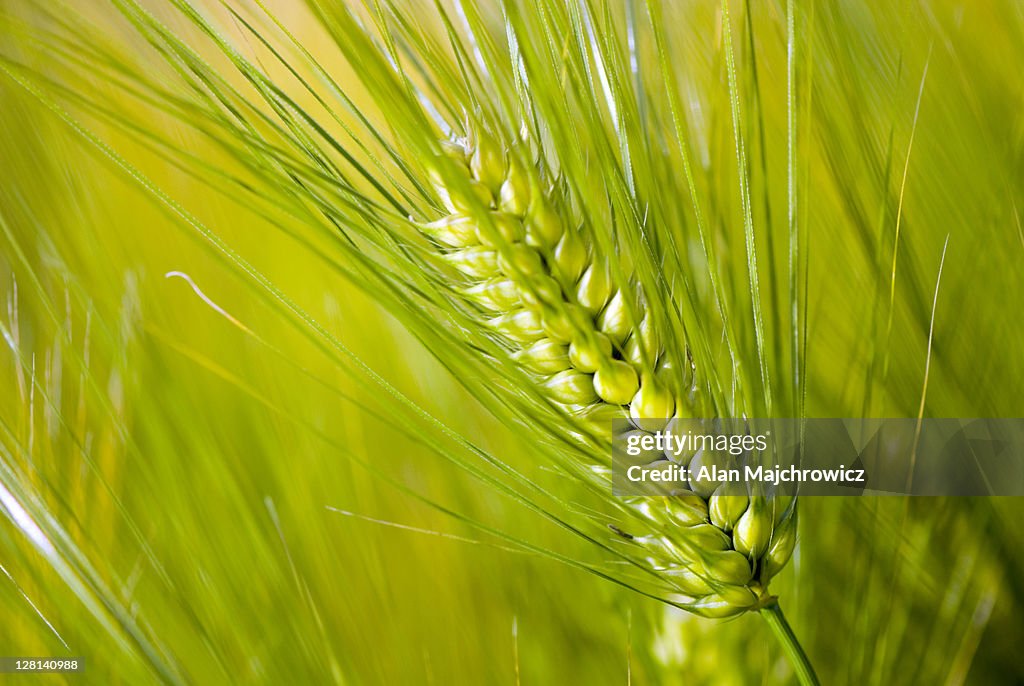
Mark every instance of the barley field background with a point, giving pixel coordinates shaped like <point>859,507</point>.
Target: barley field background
<point>245,439</point>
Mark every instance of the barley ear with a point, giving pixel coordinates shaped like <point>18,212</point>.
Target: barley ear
<point>546,293</point>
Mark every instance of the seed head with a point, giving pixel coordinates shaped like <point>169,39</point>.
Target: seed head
<point>547,293</point>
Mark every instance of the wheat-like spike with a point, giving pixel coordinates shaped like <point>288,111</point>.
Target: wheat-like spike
<point>553,301</point>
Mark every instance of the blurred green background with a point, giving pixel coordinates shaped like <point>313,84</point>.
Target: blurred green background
<point>168,468</point>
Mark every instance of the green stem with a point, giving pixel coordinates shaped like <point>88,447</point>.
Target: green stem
<point>772,614</point>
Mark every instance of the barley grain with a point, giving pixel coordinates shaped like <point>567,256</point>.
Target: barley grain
<point>553,302</point>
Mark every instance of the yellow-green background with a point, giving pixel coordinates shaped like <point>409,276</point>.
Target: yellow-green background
<point>190,459</point>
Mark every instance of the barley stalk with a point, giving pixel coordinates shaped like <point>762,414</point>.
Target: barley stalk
<point>549,296</point>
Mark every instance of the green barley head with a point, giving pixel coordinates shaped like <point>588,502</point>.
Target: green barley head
<point>547,290</point>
